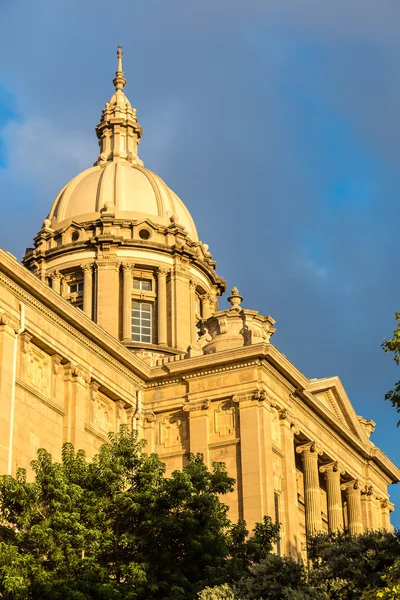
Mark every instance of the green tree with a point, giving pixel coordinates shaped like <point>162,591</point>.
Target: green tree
<point>118,528</point>
<point>220,592</point>
<point>393,345</point>
<point>276,578</point>
<point>346,566</point>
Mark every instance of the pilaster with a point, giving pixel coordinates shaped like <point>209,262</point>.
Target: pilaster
<point>74,420</point>
<point>386,508</point>
<point>198,428</point>
<point>292,542</point>
<point>107,295</point>
<point>256,457</point>
<point>8,333</point>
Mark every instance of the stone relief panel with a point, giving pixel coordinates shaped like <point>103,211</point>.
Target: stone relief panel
<point>173,431</point>
<point>38,370</point>
<point>275,429</point>
<point>225,420</point>
<point>277,472</point>
<point>100,410</point>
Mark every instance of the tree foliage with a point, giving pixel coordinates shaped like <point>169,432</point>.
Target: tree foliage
<point>346,566</point>
<point>118,528</point>
<point>393,345</point>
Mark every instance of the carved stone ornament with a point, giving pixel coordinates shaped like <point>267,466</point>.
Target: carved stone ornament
<point>9,321</point>
<point>80,373</point>
<point>310,447</point>
<point>150,416</point>
<point>55,275</point>
<point>351,487</point>
<point>25,338</point>
<point>260,395</point>
<point>127,266</point>
<point>200,405</point>
<point>56,362</point>
<point>87,268</point>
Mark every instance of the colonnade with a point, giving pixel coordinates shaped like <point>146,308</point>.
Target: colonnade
<point>334,487</point>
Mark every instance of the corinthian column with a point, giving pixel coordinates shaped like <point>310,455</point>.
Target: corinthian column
<point>312,494</point>
<point>206,306</point>
<point>353,497</point>
<point>56,281</point>
<point>162,305</point>
<point>127,269</point>
<point>87,289</point>
<point>334,496</point>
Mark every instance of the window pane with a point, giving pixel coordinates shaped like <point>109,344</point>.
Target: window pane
<point>141,322</point>
<point>142,284</point>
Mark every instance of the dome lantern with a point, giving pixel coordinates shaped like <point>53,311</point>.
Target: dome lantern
<point>118,132</point>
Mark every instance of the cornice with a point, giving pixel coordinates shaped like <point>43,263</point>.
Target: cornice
<point>35,293</point>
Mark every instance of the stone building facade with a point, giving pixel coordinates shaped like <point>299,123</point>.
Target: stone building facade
<point>113,318</point>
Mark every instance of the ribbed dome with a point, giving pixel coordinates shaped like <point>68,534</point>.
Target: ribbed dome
<point>134,192</point>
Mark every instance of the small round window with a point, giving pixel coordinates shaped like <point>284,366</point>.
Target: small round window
<point>75,236</point>
<point>144,234</point>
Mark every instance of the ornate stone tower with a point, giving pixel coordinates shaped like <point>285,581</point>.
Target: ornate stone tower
<point>122,247</point>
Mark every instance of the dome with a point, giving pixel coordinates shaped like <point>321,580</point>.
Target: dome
<point>134,192</point>
<point>118,183</point>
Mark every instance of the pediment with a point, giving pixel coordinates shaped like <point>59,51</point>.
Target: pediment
<point>332,395</point>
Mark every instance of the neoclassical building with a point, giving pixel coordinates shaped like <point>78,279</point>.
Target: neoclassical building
<point>113,318</point>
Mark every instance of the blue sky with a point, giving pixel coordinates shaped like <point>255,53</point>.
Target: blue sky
<point>276,122</point>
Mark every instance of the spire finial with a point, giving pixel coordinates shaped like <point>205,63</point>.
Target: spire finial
<point>119,80</point>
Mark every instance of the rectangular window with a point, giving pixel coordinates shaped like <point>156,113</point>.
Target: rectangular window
<point>142,313</point>
<point>76,288</point>
<point>142,284</point>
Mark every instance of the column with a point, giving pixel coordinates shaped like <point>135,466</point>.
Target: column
<point>312,494</point>
<point>353,497</point>
<point>87,289</point>
<point>56,281</point>
<point>206,306</point>
<point>127,269</point>
<point>292,543</point>
<point>193,327</point>
<point>162,306</point>
<point>334,496</point>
